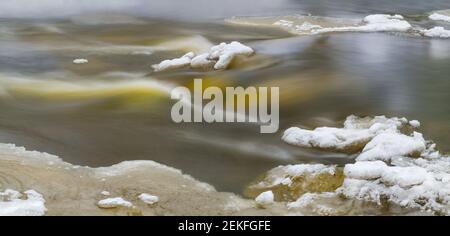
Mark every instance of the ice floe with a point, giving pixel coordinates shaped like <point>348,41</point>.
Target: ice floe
<point>13,203</point>
<point>317,25</point>
<point>219,57</point>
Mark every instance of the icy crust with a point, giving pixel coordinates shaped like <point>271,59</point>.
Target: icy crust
<point>395,166</point>
<point>14,203</point>
<point>437,32</point>
<point>317,25</point>
<point>219,57</point>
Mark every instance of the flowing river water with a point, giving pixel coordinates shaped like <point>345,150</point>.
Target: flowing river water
<point>115,108</point>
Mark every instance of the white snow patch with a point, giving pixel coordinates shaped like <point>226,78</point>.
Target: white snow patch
<point>12,204</point>
<point>439,17</point>
<point>387,145</point>
<point>148,198</point>
<point>414,123</point>
<point>365,170</point>
<point>437,32</point>
<point>114,203</point>
<point>383,22</point>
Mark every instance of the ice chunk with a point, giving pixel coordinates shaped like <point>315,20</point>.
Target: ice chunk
<point>265,198</point>
<point>328,138</point>
<point>80,61</point>
<point>383,22</point>
<point>148,198</point>
<point>387,145</point>
<point>404,176</point>
<point>202,61</point>
<point>225,53</point>
<point>414,123</point>
<point>114,203</point>
<point>365,170</point>
<point>176,63</point>
<point>352,138</point>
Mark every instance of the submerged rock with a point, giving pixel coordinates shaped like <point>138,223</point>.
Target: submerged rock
<point>290,182</point>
